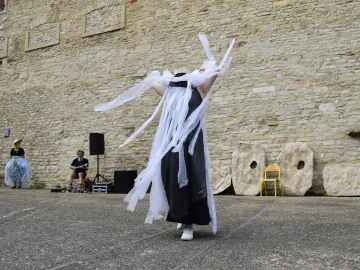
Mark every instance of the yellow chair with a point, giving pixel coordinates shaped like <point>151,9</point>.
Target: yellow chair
<point>274,171</point>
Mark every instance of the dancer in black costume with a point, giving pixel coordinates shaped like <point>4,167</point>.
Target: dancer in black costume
<point>179,163</point>
<point>187,205</point>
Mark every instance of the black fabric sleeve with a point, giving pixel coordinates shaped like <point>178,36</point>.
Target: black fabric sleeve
<point>73,162</point>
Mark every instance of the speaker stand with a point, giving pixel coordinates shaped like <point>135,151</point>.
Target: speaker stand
<point>97,176</point>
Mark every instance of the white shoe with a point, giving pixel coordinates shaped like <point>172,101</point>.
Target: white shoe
<point>188,234</point>
<point>180,227</point>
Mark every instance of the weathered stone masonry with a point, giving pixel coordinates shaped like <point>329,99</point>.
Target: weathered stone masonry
<point>308,50</point>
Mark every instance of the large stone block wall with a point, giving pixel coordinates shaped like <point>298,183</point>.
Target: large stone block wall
<point>307,50</point>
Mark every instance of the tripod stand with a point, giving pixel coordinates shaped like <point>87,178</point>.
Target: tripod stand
<point>97,176</point>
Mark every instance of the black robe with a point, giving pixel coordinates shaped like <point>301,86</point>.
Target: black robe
<point>187,205</point>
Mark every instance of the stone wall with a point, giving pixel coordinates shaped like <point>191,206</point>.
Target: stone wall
<point>44,34</point>
<point>308,51</point>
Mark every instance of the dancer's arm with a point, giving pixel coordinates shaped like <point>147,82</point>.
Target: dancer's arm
<point>205,88</point>
<point>159,88</point>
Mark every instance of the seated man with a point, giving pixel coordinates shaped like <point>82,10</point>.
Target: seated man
<point>79,166</point>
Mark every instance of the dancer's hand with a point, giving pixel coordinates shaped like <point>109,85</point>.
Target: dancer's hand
<point>207,65</point>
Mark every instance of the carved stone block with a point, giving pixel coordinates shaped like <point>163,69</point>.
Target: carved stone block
<point>42,36</point>
<point>248,165</point>
<point>220,178</point>
<point>342,179</point>
<point>296,163</point>
<point>104,19</point>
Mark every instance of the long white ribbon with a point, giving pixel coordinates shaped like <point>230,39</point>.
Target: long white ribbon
<point>146,123</point>
<point>206,45</point>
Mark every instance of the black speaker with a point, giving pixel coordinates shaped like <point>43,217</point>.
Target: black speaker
<point>124,181</point>
<point>97,144</point>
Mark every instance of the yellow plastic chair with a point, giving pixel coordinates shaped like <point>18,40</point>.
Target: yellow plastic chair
<point>274,173</point>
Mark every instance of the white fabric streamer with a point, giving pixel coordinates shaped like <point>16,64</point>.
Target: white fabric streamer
<point>172,132</point>
<point>206,45</point>
<point>130,94</point>
<point>137,132</point>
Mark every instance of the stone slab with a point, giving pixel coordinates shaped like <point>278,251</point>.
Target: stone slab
<point>296,162</point>
<point>342,179</point>
<point>220,178</point>
<point>248,165</point>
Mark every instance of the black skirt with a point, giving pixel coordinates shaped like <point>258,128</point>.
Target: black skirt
<point>187,205</point>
